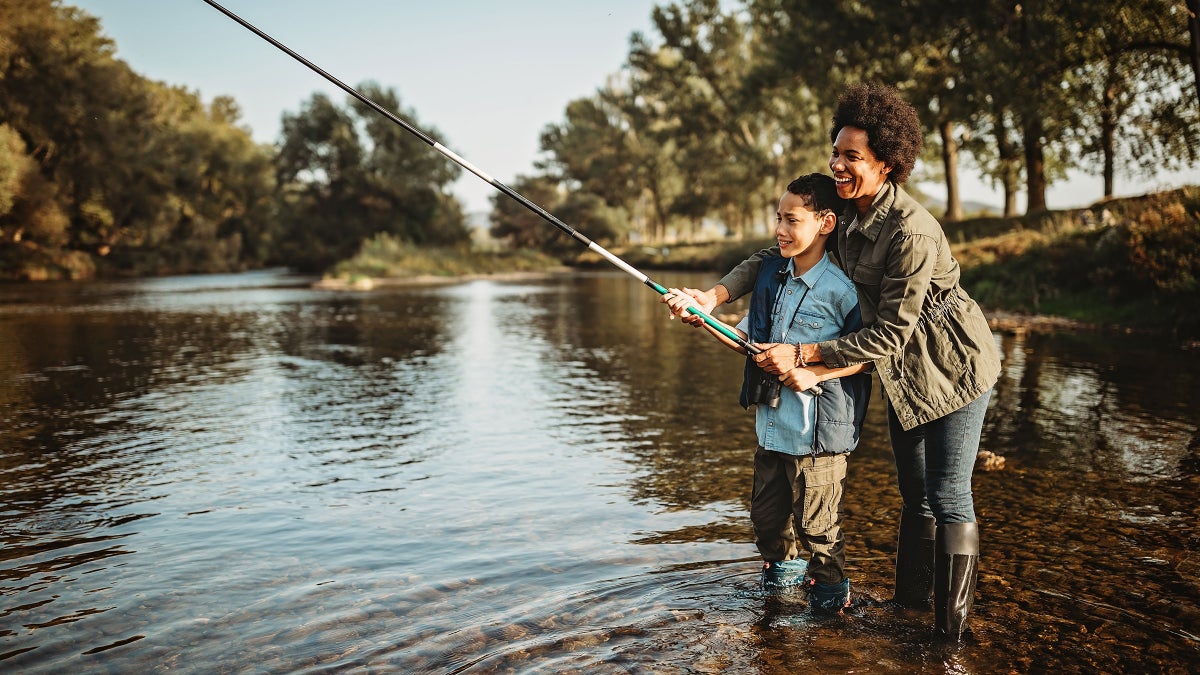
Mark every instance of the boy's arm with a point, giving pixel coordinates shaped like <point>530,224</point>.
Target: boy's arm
<point>738,282</point>
<point>723,339</point>
<point>805,378</point>
<point>678,301</point>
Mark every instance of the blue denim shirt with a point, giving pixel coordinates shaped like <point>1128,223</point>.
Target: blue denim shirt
<point>810,308</point>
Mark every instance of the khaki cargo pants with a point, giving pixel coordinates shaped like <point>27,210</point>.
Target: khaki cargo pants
<point>798,500</point>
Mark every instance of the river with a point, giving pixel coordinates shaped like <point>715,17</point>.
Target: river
<point>243,473</point>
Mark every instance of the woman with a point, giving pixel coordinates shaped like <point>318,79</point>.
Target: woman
<point>929,342</point>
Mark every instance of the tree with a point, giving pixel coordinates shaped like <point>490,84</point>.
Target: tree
<point>105,165</point>
<point>346,175</point>
<point>1134,106</point>
<point>520,227</point>
<point>688,132</point>
<point>1193,22</point>
<point>596,150</point>
<point>738,137</point>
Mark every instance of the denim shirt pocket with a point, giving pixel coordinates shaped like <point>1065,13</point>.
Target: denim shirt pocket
<point>805,324</point>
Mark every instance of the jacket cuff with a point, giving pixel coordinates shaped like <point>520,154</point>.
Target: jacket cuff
<point>830,355</point>
<point>733,284</point>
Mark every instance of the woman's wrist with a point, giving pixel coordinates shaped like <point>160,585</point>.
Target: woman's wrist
<point>720,294</point>
<point>807,355</point>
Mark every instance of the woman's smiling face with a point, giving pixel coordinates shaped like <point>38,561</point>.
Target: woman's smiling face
<point>859,174</point>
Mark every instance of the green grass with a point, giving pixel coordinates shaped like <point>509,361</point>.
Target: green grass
<point>386,257</point>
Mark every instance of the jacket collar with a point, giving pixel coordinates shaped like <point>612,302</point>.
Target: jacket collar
<point>871,224</point>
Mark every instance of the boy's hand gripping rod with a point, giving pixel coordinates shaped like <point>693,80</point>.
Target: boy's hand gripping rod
<point>545,215</point>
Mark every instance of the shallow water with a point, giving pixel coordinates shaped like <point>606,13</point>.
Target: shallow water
<point>243,474</point>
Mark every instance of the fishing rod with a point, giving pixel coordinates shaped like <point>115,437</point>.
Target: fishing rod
<point>722,328</point>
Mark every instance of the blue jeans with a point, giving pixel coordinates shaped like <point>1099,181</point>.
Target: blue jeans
<point>935,460</point>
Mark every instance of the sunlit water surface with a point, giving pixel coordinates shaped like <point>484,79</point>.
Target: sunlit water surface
<point>244,474</point>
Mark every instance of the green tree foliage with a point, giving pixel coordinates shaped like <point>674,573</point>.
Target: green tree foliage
<point>522,228</point>
<point>1026,83</point>
<point>689,132</point>
<point>347,174</point>
<point>602,150</point>
<point>101,168</point>
<point>1133,96</point>
<point>726,102</point>
<point>29,211</point>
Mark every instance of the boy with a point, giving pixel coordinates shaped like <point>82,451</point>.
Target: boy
<point>800,296</point>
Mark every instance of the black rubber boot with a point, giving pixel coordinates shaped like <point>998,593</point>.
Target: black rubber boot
<point>914,559</point>
<point>956,563</point>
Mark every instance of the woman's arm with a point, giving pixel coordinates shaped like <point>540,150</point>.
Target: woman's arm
<point>903,286</point>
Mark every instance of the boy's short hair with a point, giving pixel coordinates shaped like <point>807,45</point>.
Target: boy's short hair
<point>819,192</point>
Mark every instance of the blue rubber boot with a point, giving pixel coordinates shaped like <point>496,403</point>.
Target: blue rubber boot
<point>777,576</point>
<point>829,598</point>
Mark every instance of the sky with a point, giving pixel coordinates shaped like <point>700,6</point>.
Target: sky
<point>488,76</point>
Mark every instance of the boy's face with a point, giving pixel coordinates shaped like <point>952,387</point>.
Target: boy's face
<point>797,228</point>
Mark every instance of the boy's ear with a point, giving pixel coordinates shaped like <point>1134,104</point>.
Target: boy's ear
<point>828,223</point>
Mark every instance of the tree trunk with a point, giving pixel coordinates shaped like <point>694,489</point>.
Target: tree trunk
<point>1012,187</point>
<point>1194,30</point>
<point>1010,171</point>
<point>1108,128</point>
<point>954,210</point>
<point>1035,167</point>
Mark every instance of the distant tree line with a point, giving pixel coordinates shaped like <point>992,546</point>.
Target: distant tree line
<point>710,119</point>
<point>103,171</point>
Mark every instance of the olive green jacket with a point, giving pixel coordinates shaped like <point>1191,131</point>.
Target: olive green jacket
<point>929,341</point>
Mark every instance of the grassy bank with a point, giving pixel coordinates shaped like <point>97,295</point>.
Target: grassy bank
<point>1132,262</point>
<point>385,257</point>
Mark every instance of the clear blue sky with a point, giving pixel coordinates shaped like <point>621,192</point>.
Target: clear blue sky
<point>488,75</point>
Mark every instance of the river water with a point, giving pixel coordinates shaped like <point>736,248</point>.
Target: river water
<point>246,474</point>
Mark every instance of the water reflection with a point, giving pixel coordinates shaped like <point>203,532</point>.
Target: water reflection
<point>539,475</point>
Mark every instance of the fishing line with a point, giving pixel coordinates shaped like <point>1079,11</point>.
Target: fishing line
<point>453,156</point>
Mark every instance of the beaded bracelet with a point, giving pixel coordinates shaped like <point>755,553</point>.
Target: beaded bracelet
<point>800,362</point>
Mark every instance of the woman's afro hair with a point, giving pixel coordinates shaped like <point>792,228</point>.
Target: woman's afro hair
<point>892,126</point>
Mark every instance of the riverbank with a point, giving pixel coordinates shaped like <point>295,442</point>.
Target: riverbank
<point>365,283</point>
<point>1123,265</point>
